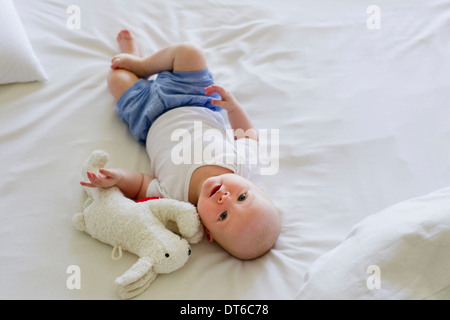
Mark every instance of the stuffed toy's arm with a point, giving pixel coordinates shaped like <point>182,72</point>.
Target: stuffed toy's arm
<point>183,214</point>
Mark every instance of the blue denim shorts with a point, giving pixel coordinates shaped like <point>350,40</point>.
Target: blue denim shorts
<point>146,100</point>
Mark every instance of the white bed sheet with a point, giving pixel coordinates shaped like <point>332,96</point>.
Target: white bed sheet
<point>363,118</point>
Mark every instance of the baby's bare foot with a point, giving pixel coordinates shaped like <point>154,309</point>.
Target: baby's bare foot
<point>129,59</point>
<point>127,43</point>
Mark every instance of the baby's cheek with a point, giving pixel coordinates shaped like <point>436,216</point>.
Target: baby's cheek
<point>202,209</point>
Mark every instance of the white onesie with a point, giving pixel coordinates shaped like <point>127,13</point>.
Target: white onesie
<point>185,138</point>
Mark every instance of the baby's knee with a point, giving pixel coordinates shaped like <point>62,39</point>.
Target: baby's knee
<point>189,49</point>
<point>119,81</point>
<point>189,57</point>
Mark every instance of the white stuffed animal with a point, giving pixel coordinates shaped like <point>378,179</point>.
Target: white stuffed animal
<point>140,228</point>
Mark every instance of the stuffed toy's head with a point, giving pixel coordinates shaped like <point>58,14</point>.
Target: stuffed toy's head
<point>140,228</point>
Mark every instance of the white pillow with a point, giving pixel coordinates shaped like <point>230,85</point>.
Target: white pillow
<point>402,252</point>
<point>18,62</point>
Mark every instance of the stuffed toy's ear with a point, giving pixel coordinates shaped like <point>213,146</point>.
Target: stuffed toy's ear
<point>135,273</point>
<point>137,279</point>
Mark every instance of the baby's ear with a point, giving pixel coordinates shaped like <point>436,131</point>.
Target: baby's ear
<point>209,237</point>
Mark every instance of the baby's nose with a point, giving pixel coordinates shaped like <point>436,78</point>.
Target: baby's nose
<point>224,197</point>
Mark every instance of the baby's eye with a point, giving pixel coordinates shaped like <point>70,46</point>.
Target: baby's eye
<point>242,197</point>
<point>223,215</point>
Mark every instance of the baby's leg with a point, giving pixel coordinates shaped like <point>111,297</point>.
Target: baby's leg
<point>128,66</point>
<point>182,57</point>
<point>119,80</point>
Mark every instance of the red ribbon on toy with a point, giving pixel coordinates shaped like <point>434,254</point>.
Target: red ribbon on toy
<point>147,199</point>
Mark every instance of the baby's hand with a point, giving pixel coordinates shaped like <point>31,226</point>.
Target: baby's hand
<point>105,179</point>
<point>228,101</point>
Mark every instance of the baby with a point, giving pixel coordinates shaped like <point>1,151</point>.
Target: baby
<point>180,103</point>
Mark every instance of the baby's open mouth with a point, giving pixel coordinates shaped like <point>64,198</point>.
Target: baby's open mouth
<point>214,190</point>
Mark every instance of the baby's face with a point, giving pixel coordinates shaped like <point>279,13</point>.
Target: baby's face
<point>234,211</point>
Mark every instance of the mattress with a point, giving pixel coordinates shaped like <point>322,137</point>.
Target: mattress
<point>358,94</point>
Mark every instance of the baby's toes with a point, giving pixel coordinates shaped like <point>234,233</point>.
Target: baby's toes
<point>117,62</point>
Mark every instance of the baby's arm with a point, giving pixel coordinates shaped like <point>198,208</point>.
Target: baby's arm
<point>237,116</point>
<point>133,184</point>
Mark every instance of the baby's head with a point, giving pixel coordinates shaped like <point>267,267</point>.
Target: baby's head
<point>238,216</point>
